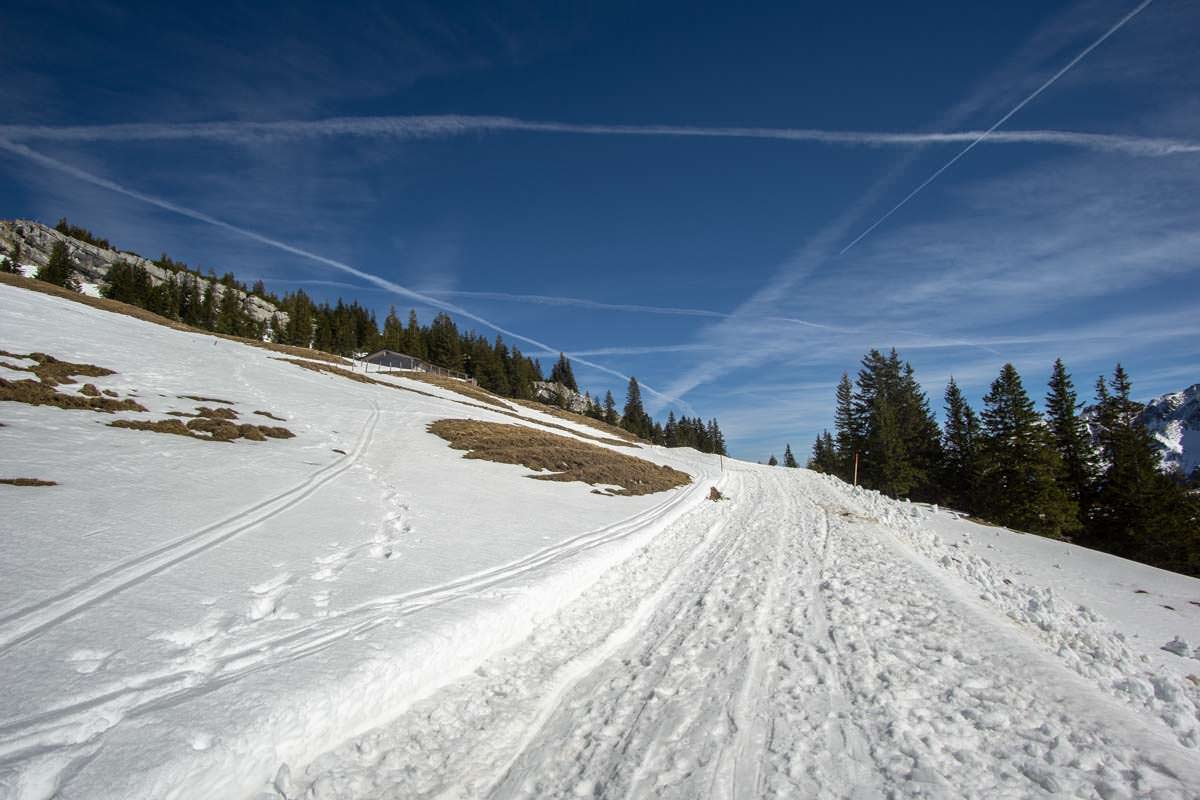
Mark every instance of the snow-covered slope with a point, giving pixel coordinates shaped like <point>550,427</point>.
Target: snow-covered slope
<point>359,612</point>
<point>1174,419</point>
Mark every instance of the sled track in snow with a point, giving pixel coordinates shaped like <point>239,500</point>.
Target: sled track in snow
<point>26,623</point>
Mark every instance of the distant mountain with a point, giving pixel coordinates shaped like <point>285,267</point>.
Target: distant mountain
<point>1174,419</point>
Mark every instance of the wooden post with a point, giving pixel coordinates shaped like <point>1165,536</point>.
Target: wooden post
<point>856,469</point>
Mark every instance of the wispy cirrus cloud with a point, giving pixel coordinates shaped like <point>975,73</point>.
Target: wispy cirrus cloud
<point>50,162</point>
<point>446,125</point>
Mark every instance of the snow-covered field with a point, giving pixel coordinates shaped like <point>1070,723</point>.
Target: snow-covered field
<point>359,612</point>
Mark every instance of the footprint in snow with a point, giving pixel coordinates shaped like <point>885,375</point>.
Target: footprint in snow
<point>85,662</point>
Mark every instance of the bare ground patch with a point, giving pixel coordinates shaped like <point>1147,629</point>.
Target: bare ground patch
<point>27,482</point>
<point>269,415</point>
<point>566,459</point>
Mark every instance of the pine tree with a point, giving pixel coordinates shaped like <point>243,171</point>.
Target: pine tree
<point>1071,439</point>
<point>1020,467</point>
<point>1139,512</point>
<point>849,434</point>
<point>789,460</point>
<point>393,332</point>
<point>610,409</point>
<point>9,266</point>
<point>634,418</point>
<point>772,461</point>
<point>58,269</point>
<point>562,373</point>
<point>824,455</point>
<point>960,449</point>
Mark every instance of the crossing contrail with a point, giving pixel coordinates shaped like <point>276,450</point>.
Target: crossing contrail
<point>446,125</point>
<point>990,133</point>
<point>44,160</point>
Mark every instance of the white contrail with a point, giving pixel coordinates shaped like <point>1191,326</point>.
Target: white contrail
<point>431,126</point>
<point>580,302</point>
<point>96,180</point>
<point>629,351</point>
<point>990,132</point>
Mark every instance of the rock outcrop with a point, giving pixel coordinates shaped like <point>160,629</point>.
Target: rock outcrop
<point>92,263</point>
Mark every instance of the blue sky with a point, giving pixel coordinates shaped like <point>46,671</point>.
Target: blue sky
<point>1023,250</point>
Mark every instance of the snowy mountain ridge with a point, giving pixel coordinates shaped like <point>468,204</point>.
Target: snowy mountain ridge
<point>1174,421</point>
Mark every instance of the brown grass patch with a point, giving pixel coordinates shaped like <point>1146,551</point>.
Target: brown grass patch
<point>27,482</point>
<point>361,378</point>
<point>453,384</point>
<point>117,307</point>
<point>269,415</point>
<point>714,494</point>
<point>36,393</point>
<point>570,416</point>
<point>217,430</point>
<point>89,390</point>
<point>567,459</point>
<point>53,372</point>
<point>200,399</point>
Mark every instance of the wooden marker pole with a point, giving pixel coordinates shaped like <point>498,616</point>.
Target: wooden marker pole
<point>856,469</point>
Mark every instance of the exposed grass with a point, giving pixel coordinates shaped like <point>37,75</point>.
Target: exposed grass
<point>200,399</point>
<point>715,495</point>
<point>361,378</point>
<point>600,425</point>
<point>54,372</point>
<point>27,482</point>
<point>117,307</point>
<point>566,459</point>
<point>36,393</point>
<point>269,415</point>
<point>462,387</point>
<point>217,430</point>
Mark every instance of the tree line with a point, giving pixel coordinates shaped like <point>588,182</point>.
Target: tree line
<point>349,329</point>
<point>1090,476</point>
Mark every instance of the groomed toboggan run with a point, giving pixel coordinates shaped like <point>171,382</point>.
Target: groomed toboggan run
<point>360,612</point>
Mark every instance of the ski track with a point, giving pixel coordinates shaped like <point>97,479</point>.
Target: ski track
<point>26,623</point>
<point>208,667</point>
<point>788,643</point>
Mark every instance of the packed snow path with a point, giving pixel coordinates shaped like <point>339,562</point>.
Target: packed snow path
<point>784,643</point>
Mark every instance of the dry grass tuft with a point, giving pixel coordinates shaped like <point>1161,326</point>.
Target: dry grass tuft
<point>568,459</point>
<point>53,372</point>
<point>27,482</point>
<point>570,416</point>
<point>269,415</point>
<point>36,393</point>
<point>89,390</point>
<point>156,426</point>
<point>453,384</point>
<point>200,399</point>
<point>714,494</point>
<point>206,429</point>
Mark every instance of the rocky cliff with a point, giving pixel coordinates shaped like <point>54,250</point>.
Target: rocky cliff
<point>92,263</point>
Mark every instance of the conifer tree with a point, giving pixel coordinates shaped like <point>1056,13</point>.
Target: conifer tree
<point>772,461</point>
<point>1020,467</point>
<point>9,266</point>
<point>58,269</point>
<point>415,338</point>
<point>824,455</point>
<point>634,418</point>
<point>562,373</point>
<point>960,448</point>
<point>610,409</point>
<point>1071,439</point>
<point>789,460</point>
<point>1139,512</point>
<point>393,332</point>
<point>717,438</point>
<point>846,424</point>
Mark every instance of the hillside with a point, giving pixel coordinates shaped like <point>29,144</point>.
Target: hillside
<point>357,610</point>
